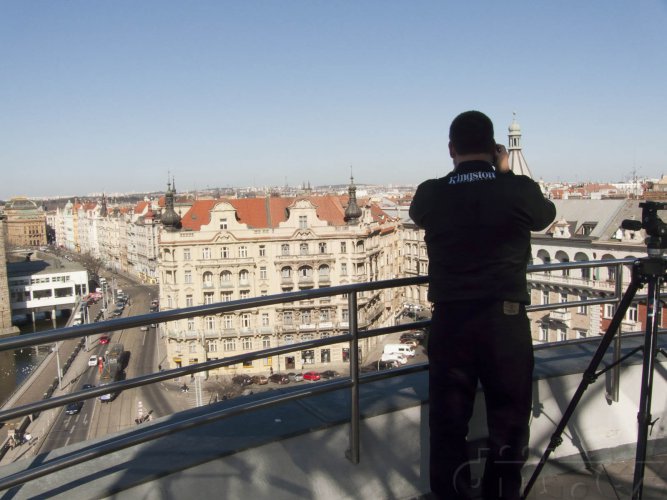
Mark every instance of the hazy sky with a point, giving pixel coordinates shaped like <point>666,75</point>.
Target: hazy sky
<point>112,95</point>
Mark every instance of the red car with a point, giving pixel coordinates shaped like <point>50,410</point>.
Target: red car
<point>104,339</point>
<point>312,376</point>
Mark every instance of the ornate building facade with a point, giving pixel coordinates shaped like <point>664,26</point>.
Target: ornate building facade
<point>26,223</point>
<point>222,250</point>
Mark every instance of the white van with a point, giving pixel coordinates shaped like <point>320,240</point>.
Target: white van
<point>404,349</point>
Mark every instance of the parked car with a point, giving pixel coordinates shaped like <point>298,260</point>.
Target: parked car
<point>143,328</point>
<point>328,374</point>
<point>260,380</point>
<point>394,357</point>
<point>295,377</point>
<point>279,378</point>
<point>74,408</point>
<point>92,361</point>
<point>242,380</point>
<point>104,339</point>
<point>312,376</point>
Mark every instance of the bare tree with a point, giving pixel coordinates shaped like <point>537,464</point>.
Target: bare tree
<point>91,263</point>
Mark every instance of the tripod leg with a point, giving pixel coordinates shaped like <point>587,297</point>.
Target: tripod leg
<point>653,313</point>
<point>588,377</point>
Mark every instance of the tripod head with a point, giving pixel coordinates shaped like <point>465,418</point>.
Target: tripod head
<point>656,229</point>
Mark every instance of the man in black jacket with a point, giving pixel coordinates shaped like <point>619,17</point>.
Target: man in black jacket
<point>478,221</point>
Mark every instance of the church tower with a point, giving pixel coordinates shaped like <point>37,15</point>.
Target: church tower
<point>518,163</point>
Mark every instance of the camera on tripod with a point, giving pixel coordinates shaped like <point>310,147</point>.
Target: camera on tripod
<point>656,229</point>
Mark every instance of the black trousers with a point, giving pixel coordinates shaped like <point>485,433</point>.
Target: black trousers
<point>488,342</point>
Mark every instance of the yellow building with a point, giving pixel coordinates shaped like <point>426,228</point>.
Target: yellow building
<point>26,223</point>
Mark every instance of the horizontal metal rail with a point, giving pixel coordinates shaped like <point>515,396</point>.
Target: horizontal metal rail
<point>159,430</point>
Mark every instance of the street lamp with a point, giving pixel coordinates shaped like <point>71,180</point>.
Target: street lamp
<point>60,374</point>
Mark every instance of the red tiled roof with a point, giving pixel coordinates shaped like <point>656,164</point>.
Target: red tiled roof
<point>198,215</point>
<point>270,212</point>
<point>140,207</point>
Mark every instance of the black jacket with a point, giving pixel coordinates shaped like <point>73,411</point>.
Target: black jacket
<point>478,225</point>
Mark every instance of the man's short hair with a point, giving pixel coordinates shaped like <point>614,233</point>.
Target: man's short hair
<point>472,132</point>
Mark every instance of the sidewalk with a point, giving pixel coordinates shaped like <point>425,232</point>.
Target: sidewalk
<point>35,389</point>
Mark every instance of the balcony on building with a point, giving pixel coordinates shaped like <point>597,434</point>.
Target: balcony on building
<point>561,315</point>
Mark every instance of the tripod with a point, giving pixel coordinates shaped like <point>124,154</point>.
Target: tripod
<point>649,270</point>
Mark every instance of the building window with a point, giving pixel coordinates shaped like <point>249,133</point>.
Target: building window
<point>192,349</point>
<point>632,314</point>
<point>246,343</point>
<point>212,346</point>
<point>563,297</point>
<point>286,272</point>
<point>188,301</point>
<point>225,277</point>
<point>245,320</point>
<point>228,321</point>
<point>346,354</point>
<point>562,335</point>
<point>243,277</point>
<point>208,279</point>
<point>582,334</point>
<point>544,333</point>
<point>191,324</point>
<point>229,344</point>
<point>583,308</point>
<point>243,251</point>
<point>345,315</point>
<point>244,294</point>
<point>288,339</point>
<point>265,319</point>
<point>323,247</point>
<point>324,315</point>
<point>343,268</point>
<point>305,318</point>
<point>206,253</point>
<point>262,273</point>
<point>545,297</point>
<point>224,252</point>
<point>303,249</point>
<point>303,221</point>
<point>308,357</point>
<point>186,254</point>
<point>188,277</point>
<point>325,356</point>
<point>288,318</point>
<point>305,272</point>
<point>225,296</point>
<point>284,249</point>
<point>223,223</point>
<point>209,321</point>
<point>266,342</point>
<point>609,310</point>
<point>262,250</point>
<point>343,247</point>
<point>208,297</point>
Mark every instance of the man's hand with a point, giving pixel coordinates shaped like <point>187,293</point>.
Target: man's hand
<point>501,159</point>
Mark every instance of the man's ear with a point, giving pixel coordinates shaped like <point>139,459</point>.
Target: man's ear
<point>452,151</point>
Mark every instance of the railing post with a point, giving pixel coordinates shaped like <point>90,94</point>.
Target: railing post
<point>613,394</point>
<point>352,453</point>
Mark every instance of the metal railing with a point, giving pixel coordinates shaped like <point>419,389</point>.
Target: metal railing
<point>161,429</point>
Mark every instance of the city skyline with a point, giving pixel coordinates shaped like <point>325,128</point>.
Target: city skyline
<point>102,96</point>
